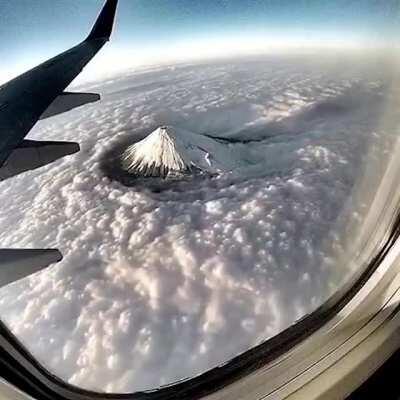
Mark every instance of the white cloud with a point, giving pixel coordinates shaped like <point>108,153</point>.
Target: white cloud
<point>156,287</point>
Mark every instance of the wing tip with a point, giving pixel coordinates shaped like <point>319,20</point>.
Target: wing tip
<point>104,24</point>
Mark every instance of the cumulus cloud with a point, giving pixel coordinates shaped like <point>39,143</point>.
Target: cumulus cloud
<point>160,285</point>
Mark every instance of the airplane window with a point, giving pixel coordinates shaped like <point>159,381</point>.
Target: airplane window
<point>221,183</point>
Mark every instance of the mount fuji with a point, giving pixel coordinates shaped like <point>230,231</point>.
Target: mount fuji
<point>171,151</point>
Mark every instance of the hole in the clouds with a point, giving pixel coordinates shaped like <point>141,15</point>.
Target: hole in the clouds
<point>197,182</point>
<point>249,144</point>
<point>112,167</point>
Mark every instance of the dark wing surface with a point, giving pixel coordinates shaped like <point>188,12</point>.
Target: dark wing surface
<point>18,264</point>
<point>39,93</point>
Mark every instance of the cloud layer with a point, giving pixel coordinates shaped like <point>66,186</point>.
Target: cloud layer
<point>160,285</point>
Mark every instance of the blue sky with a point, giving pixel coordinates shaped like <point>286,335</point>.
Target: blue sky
<point>32,30</point>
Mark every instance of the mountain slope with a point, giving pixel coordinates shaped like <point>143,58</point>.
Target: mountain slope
<point>169,150</point>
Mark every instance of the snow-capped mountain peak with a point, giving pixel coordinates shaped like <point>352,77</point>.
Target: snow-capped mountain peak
<point>170,150</point>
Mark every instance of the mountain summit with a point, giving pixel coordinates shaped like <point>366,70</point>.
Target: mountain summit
<point>170,151</point>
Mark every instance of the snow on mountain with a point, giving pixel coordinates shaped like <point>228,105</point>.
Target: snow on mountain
<point>170,150</point>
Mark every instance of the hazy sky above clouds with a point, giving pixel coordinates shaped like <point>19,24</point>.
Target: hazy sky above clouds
<point>152,30</point>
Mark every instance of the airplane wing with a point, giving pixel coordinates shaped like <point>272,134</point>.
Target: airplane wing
<point>39,93</point>
<point>18,264</point>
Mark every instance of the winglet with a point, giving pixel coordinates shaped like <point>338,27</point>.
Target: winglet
<point>103,27</point>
